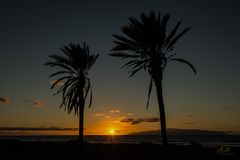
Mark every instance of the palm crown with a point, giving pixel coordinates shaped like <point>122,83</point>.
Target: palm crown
<point>74,67</point>
<point>146,45</point>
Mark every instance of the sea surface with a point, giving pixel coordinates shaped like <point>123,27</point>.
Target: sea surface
<point>204,140</point>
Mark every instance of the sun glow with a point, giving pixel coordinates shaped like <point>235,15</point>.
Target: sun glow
<point>112,131</point>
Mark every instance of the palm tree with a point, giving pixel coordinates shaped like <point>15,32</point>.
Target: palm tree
<point>74,65</point>
<point>147,46</point>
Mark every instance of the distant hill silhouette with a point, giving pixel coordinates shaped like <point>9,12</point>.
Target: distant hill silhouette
<point>177,131</point>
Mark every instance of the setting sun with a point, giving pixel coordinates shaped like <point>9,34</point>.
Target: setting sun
<point>111,131</point>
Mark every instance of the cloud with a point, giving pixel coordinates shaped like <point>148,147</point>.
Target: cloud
<point>189,116</point>
<point>25,130</point>
<point>107,117</point>
<point>115,111</point>
<point>36,129</point>
<point>4,100</point>
<point>189,123</point>
<point>97,114</point>
<point>59,84</point>
<point>133,121</point>
<point>227,108</point>
<point>35,103</point>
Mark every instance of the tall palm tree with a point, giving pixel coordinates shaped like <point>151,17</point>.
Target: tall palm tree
<point>146,45</point>
<point>74,65</point>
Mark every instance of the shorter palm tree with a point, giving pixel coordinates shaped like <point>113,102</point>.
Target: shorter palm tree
<point>74,66</point>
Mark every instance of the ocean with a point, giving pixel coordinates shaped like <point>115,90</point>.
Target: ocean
<point>206,141</point>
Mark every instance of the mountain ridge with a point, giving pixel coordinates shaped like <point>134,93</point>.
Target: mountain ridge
<point>178,131</point>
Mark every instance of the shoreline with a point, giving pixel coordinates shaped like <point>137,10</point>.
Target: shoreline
<point>205,141</point>
<point>16,149</point>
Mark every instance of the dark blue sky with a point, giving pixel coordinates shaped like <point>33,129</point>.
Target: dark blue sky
<point>32,30</point>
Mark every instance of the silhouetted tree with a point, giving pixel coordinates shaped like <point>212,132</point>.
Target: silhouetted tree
<point>146,45</point>
<point>74,65</point>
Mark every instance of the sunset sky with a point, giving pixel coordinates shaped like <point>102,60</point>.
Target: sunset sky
<point>32,30</point>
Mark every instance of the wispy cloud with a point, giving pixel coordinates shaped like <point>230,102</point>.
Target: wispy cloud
<point>189,116</point>
<point>227,108</point>
<point>35,103</point>
<point>134,121</point>
<point>59,84</point>
<point>4,100</point>
<point>107,117</point>
<point>97,114</point>
<point>115,111</point>
<point>36,129</point>
<point>189,123</point>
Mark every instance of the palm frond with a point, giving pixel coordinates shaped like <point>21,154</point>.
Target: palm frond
<point>172,33</point>
<point>64,87</point>
<point>176,38</point>
<point>131,63</point>
<point>134,71</point>
<point>135,22</point>
<point>124,55</point>
<point>185,62</point>
<point>149,92</point>
<point>92,60</point>
<point>61,65</point>
<point>163,28</point>
<point>61,59</point>
<point>128,42</point>
<point>60,72</point>
<point>59,80</point>
<point>123,46</point>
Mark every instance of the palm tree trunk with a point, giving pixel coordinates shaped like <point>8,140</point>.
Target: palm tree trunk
<point>81,120</point>
<point>158,84</point>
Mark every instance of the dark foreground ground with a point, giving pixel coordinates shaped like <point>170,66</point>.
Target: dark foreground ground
<point>72,150</point>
